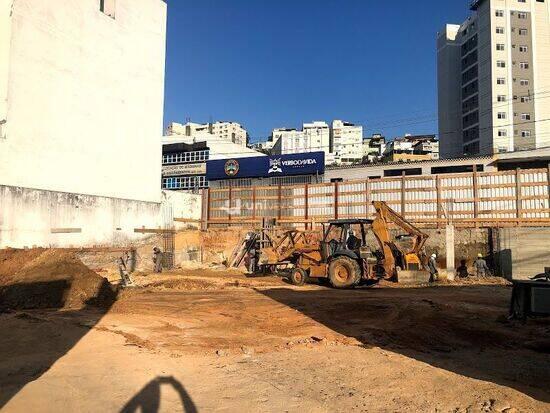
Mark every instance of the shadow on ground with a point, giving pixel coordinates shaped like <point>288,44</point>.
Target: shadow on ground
<point>460,329</point>
<point>149,398</point>
<point>29,344</point>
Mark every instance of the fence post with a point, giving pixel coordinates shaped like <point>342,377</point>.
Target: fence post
<point>476,197</point>
<point>254,203</point>
<point>207,220</point>
<point>403,194</point>
<point>336,196</point>
<point>518,196</point>
<point>368,196</point>
<point>548,186</point>
<point>230,201</point>
<point>280,198</point>
<point>306,205</point>
<point>438,200</point>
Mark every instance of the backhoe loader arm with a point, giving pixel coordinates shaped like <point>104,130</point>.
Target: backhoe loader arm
<point>385,213</point>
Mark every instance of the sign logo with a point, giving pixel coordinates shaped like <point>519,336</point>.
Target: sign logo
<point>275,166</point>
<point>231,167</point>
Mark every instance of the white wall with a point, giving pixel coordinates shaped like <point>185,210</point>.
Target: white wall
<point>86,97</point>
<point>30,217</point>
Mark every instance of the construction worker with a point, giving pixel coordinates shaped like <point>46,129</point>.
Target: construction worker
<point>462,270</point>
<point>480,266</point>
<point>432,267</point>
<point>157,260</point>
<point>252,258</point>
<point>353,243</point>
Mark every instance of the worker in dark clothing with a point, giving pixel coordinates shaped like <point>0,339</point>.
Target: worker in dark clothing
<point>252,259</point>
<point>157,260</point>
<point>462,270</point>
<point>480,266</point>
<point>353,243</point>
<point>432,267</point>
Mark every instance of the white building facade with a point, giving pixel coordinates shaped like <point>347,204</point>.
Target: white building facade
<point>228,131</point>
<point>493,79</point>
<point>81,113</point>
<point>347,143</point>
<point>74,108</point>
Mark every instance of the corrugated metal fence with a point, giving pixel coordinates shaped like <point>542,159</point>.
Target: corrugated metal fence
<point>520,197</point>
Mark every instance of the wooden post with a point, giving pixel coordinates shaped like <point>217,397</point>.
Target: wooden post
<point>403,194</point>
<point>207,209</point>
<point>518,196</point>
<point>306,204</point>
<point>368,196</point>
<point>280,198</point>
<point>476,197</point>
<point>438,199</point>
<point>336,196</point>
<point>230,202</point>
<point>254,203</point>
<point>548,186</point>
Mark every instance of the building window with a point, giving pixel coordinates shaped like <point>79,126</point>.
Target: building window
<point>523,49</point>
<point>522,15</point>
<point>501,98</point>
<point>502,133</point>
<point>523,32</point>
<point>500,47</point>
<point>525,133</point>
<point>107,7</point>
<point>524,65</point>
<point>525,116</point>
<point>501,115</point>
<point>501,81</point>
<point>524,82</point>
<point>500,30</point>
<point>499,13</point>
<point>184,182</point>
<point>525,99</point>
<point>501,63</point>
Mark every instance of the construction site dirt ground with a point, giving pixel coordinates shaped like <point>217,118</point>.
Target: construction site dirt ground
<point>212,340</point>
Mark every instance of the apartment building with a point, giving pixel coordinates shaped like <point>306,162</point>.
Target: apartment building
<point>347,142</point>
<point>493,82</point>
<point>342,142</point>
<point>373,148</point>
<point>412,148</point>
<point>228,131</point>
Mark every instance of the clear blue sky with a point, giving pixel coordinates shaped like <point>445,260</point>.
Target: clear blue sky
<point>279,63</point>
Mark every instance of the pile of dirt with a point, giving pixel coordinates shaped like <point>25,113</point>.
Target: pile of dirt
<point>49,278</point>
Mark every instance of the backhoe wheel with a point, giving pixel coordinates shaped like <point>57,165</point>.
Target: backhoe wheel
<point>298,276</point>
<point>344,272</point>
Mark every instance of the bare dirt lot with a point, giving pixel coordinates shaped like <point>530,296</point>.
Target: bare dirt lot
<point>213,340</point>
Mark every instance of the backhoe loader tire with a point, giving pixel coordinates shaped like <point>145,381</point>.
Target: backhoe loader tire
<point>298,276</point>
<point>343,272</point>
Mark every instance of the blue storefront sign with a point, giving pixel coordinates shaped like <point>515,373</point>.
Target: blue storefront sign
<point>266,166</point>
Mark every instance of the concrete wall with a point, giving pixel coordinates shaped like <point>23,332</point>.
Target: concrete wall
<point>30,217</point>
<point>522,252</point>
<point>85,97</point>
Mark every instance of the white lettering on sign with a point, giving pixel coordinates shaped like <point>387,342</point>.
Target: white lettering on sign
<point>300,162</point>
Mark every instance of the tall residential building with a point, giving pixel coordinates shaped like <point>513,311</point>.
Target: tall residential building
<point>493,79</point>
<point>317,138</point>
<point>229,131</point>
<point>347,142</point>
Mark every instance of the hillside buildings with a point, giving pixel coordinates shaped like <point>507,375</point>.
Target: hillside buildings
<point>342,142</point>
<point>493,79</point>
<point>227,131</point>
<point>373,148</point>
<point>412,148</point>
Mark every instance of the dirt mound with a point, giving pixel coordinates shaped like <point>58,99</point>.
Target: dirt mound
<point>40,278</point>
